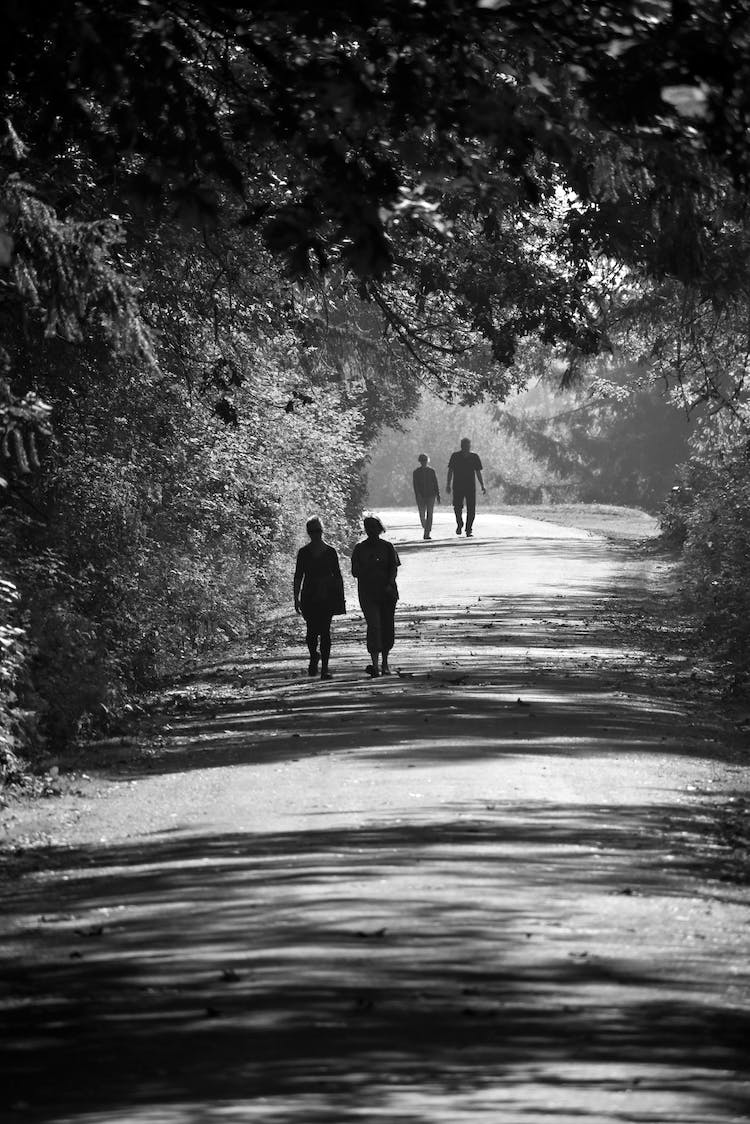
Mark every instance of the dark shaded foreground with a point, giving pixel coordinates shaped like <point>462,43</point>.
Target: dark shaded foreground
<point>230,968</point>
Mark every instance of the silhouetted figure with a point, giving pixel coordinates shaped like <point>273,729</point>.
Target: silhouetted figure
<point>318,576</point>
<point>426,492</point>
<point>374,565</point>
<point>463,467</point>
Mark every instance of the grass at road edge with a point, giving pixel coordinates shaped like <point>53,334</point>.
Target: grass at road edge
<point>603,519</point>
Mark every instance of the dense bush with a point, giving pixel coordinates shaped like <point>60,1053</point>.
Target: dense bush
<point>165,533</point>
<point>708,514</point>
<point>14,723</point>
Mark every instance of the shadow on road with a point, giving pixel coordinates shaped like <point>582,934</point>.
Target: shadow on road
<point>193,971</point>
<point>507,675</point>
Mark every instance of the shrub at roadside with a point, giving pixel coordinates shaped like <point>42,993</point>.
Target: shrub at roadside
<point>709,514</point>
<point>163,533</point>
<point>14,724</point>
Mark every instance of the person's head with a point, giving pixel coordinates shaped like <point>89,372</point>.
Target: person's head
<point>465,444</point>
<point>423,459</point>
<point>314,528</point>
<point>373,526</point>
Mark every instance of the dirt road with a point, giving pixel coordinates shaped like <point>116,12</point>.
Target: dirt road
<point>494,887</point>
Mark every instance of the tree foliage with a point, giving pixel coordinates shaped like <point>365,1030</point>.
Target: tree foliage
<point>235,243</point>
<point>617,438</point>
<point>463,162</point>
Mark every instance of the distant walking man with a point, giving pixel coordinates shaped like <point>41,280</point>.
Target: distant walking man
<point>426,491</point>
<point>462,469</point>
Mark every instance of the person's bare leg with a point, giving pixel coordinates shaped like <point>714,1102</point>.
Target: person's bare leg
<point>388,613</point>
<point>325,649</point>
<point>312,647</point>
<point>371,611</point>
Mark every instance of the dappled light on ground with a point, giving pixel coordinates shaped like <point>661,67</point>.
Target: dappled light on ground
<point>407,965</point>
<point>493,885</point>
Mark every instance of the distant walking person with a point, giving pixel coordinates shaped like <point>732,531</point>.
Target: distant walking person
<point>463,467</point>
<point>426,492</point>
<point>374,565</point>
<point>318,595</point>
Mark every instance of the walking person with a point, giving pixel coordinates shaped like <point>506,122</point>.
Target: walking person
<point>375,563</point>
<point>464,468</point>
<point>318,595</point>
<point>426,492</point>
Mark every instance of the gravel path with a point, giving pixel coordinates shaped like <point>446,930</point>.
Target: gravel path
<point>496,886</point>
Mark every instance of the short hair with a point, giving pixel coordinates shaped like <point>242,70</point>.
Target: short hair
<point>314,525</point>
<point>372,523</point>
<point>466,441</point>
<point>423,458</point>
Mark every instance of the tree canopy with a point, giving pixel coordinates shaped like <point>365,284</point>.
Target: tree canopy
<point>460,164</point>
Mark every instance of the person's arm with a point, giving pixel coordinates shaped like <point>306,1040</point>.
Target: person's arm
<point>393,564</point>
<point>436,486</point>
<point>450,476</point>
<point>479,477</point>
<point>355,562</point>
<point>338,578</point>
<point>414,482</point>
<point>298,573</point>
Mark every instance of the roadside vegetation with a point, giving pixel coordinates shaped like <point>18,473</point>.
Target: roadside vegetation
<point>236,248</point>
<point>620,524</point>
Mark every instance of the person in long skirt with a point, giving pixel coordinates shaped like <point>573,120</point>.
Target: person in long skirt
<point>318,595</point>
<point>375,563</point>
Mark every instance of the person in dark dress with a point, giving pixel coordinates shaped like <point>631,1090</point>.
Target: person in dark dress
<point>374,565</point>
<point>318,595</point>
<point>463,467</point>
<point>426,492</point>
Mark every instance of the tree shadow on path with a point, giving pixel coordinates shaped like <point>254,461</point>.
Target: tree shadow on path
<point>506,676</point>
<point>482,957</point>
<point>271,971</point>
